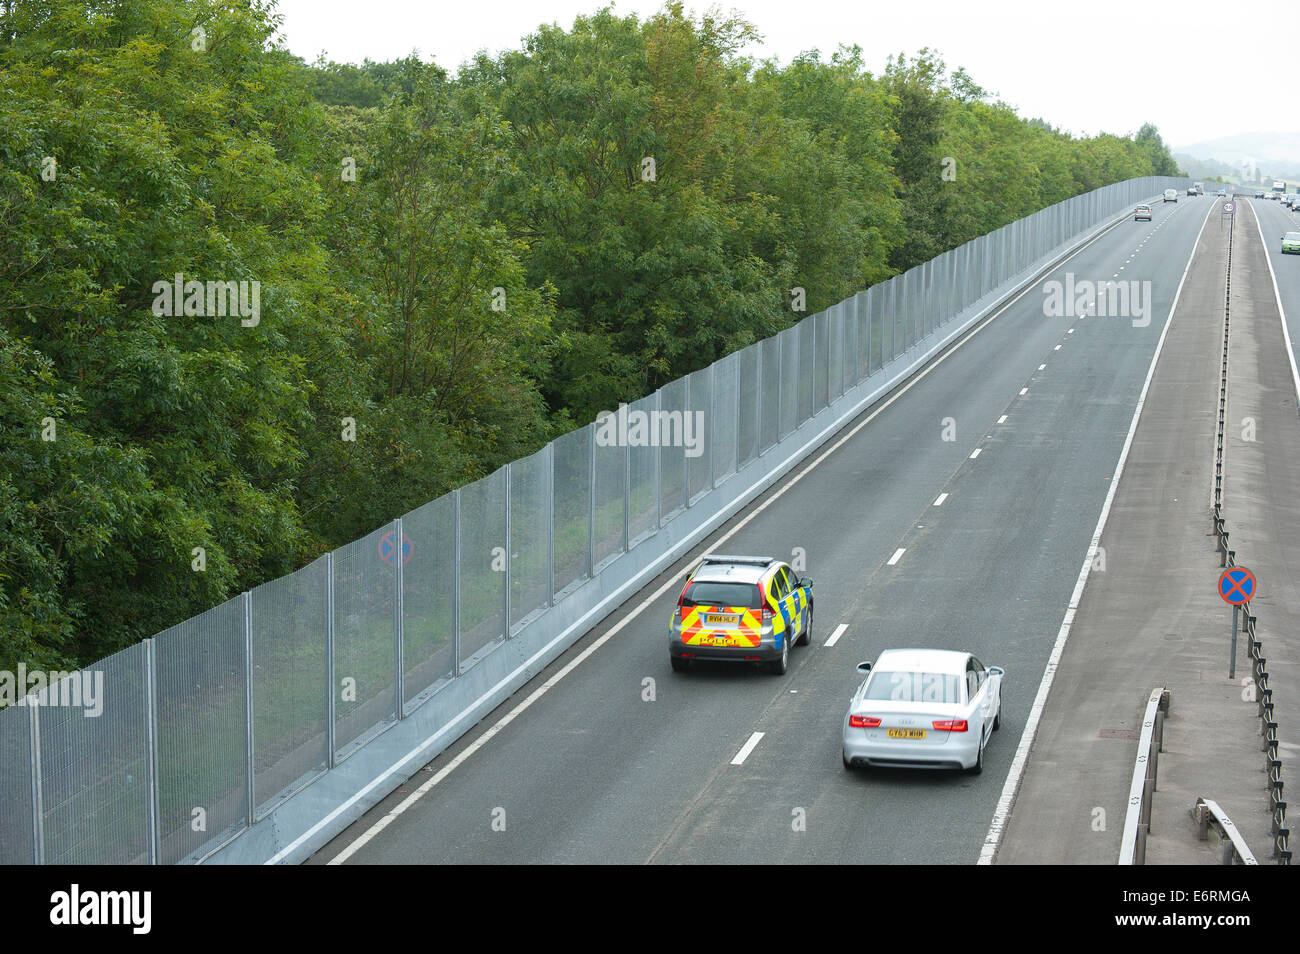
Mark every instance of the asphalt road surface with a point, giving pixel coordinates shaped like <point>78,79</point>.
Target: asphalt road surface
<point>624,761</point>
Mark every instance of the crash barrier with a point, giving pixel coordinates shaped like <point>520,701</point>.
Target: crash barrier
<point>260,729</point>
<point>1228,558</point>
<point>1207,814</point>
<point>1137,818</point>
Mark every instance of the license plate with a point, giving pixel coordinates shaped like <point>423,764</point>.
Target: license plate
<point>905,733</point>
<point>720,619</point>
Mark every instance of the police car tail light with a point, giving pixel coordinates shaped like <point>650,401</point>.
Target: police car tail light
<point>864,722</point>
<point>767,610</point>
<point>950,725</point>
<point>681,600</point>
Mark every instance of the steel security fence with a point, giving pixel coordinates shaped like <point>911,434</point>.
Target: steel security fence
<point>290,704</point>
<point>211,725</point>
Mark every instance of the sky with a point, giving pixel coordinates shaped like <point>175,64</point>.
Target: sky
<point>1103,66</point>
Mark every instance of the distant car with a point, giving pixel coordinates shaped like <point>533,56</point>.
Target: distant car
<point>1171,195</point>
<point>1291,242</point>
<point>1142,212</point>
<point>741,609</point>
<point>1191,190</point>
<point>1260,194</point>
<point>928,708</point>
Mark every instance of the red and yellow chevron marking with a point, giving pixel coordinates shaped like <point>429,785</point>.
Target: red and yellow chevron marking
<point>697,632</point>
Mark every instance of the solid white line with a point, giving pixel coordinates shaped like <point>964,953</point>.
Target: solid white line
<point>747,748</point>
<point>839,631</point>
<point>1003,810</point>
<point>639,608</point>
<point>1286,333</point>
<point>938,501</point>
<point>975,453</point>
<point>897,553</point>
<point>1002,419</point>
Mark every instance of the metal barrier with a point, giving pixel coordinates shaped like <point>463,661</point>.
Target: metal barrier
<point>1207,813</point>
<point>1137,819</point>
<point>292,699</point>
<point>1228,558</point>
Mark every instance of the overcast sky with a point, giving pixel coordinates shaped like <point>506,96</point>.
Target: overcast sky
<point>1100,66</point>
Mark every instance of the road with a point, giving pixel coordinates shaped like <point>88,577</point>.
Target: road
<point>623,761</point>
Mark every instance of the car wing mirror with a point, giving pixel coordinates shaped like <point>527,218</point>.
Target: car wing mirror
<point>997,671</point>
<point>864,667</point>
<point>806,581</point>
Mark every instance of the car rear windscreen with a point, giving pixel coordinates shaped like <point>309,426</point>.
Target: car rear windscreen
<point>703,593</point>
<point>905,686</point>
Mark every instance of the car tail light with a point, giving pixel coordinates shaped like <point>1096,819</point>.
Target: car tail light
<point>950,725</point>
<point>863,722</point>
<point>681,600</point>
<point>767,610</point>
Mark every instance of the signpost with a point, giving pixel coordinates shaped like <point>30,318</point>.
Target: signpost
<point>1236,587</point>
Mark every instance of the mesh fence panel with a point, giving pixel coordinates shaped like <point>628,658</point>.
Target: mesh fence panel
<point>821,363</point>
<point>17,832</point>
<point>672,460</point>
<point>849,371</point>
<point>724,431</point>
<point>866,333</point>
<point>290,682</point>
<point>365,637</point>
<point>202,760</point>
<point>750,403</point>
<point>834,352</point>
<point>610,490</point>
<point>94,768</point>
<point>482,565</point>
<point>769,419</point>
<point>530,525</point>
<point>807,366</point>
<point>789,380</point>
<point>429,595</point>
<point>643,507</point>
<point>572,507</point>
<point>698,424</point>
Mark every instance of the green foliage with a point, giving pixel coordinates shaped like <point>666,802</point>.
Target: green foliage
<point>458,268</point>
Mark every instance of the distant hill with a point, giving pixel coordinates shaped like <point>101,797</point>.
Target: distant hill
<point>1274,153</point>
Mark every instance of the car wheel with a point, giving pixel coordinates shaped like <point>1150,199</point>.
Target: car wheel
<point>679,664</point>
<point>979,761</point>
<point>779,666</point>
<point>805,638</point>
<point>997,717</point>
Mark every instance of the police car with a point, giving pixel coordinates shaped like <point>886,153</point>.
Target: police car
<point>741,609</point>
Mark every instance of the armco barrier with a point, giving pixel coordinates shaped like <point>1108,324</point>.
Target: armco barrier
<point>260,729</point>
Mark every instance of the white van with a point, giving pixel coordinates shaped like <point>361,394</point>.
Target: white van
<point>1171,195</point>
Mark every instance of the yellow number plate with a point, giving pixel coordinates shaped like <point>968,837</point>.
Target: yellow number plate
<point>719,619</point>
<point>905,733</point>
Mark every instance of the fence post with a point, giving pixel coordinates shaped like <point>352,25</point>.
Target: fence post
<point>658,458</point>
<point>455,592</point>
<point>331,698</point>
<point>251,792</point>
<point>399,631</point>
<point>38,810</point>
<point>509,470</point>
<point>591,502</point>
<point>151,749</point>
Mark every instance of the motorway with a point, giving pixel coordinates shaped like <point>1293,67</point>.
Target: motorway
<point>624,761</point>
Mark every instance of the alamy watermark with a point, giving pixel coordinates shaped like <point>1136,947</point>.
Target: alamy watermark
<point>82,689</point>
<point>1104,299</point>
<point>210,299</point>
<point>627,428</point>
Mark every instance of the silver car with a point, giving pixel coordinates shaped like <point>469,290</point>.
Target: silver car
<point>927,708</point>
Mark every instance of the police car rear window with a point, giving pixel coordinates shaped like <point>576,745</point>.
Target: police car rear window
<point>703,593</point>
